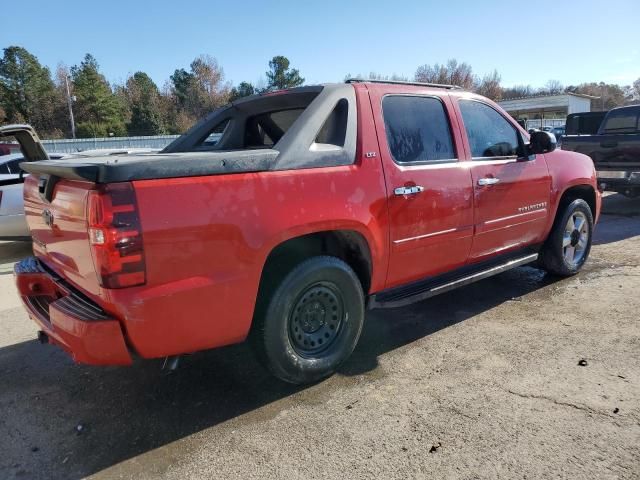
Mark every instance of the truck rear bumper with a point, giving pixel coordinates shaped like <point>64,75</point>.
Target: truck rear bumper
<point>69,319</point>
<point>618,181</point>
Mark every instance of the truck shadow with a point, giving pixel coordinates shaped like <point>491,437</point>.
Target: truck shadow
<point>125,412</point>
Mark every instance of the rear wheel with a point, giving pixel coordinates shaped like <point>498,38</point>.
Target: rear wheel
<point>569,243</point>
<point>312,321</point>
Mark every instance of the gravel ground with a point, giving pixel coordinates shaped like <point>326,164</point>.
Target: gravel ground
<point>519,376</point>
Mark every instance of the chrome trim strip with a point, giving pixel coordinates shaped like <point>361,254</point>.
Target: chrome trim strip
<point>517,215</point>
<point>426,235</point>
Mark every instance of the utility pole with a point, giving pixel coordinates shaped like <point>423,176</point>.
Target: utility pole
<point>70,103</point>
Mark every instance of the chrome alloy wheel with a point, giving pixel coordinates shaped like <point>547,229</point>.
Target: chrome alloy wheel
<point>575,238</point>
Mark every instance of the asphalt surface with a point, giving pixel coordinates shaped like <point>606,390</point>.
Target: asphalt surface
<point>519,376</point>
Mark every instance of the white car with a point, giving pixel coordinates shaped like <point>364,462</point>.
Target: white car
<point>12,221</point>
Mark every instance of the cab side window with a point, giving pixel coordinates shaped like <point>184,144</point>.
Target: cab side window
<point>490,134</point>
<point>417,129</point>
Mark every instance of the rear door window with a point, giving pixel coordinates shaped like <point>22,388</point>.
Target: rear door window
<point>417,129</point>
<point>490,135</point>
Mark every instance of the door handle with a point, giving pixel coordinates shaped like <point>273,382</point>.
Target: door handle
<point>408,190</point>
<point>488,181</point>
<point>609,144</point>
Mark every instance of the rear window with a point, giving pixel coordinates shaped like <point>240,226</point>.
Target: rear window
<point>258,122</point>
<point>584,123</point>
<point>622,121</point>
<point>417,129</point>
<point>266,129</point>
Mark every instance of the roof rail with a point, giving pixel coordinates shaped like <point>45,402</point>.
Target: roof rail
<point>399,82</point>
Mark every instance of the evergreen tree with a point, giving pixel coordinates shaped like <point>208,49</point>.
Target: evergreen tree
<point>144,104</point>
<point>98,111</point>
<point>27,93</point>
<point>244,89</point>
<point>280,76</point>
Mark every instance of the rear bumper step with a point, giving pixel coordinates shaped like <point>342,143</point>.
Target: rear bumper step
<point>68,319</point>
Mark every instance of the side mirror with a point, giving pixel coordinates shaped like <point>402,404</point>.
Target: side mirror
<point>542,142</point>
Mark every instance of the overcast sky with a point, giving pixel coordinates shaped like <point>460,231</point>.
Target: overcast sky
<point>527,42</point>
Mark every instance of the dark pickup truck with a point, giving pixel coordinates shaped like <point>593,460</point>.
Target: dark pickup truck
<point>614,149</point>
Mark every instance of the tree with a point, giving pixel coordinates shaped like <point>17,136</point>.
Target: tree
<point>378,76</point>
<point>143,98</point>
<point>489,86</point>
<point>280,76</point>
<point>553,87</point>
<point>27,93</point>
<point>610,95</point>
<point>201,90</point>
<point>244,89</point>
<point>98,111</point>
<point>453,73</point>
<point>182,82</point>
<point>632,93</point>
<point>519,91</point>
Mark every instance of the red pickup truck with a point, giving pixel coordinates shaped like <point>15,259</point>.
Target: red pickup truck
<point>283,216</point>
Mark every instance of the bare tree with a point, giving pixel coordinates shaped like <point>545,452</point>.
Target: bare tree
<point>209,90</point>
<point>519,91</point>
<point>489,86</point>
<point>553,87</point>
<point>453,73</point>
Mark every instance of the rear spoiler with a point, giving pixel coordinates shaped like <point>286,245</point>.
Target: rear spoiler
<point>28,139</point>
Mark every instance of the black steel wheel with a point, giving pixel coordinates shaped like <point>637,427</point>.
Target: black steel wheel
<point>312,321</point>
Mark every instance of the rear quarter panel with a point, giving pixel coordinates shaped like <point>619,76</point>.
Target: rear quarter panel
<point>206,240</point>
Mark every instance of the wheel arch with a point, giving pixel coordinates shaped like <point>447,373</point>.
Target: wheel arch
<point>348,245</point>
<point>585,192</point>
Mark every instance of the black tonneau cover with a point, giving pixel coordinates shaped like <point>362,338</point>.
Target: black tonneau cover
<point>122,168</point>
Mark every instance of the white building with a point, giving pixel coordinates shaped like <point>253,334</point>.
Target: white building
<point>547,110</point>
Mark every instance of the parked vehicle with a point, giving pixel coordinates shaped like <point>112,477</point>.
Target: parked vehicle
<point>13,225</point>
<point>558,131</point>
<point>8,148</point>
<point>281,217</point>
<point>584,123</point>
<point>614,149</point>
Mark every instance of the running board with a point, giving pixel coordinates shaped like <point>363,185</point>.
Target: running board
<point>407,294</point>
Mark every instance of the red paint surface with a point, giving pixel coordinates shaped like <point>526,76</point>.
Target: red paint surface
<point>206,239</point>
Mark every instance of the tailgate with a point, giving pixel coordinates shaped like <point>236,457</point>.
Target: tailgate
<point>55,211</point>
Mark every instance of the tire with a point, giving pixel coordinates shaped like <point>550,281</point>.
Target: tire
<point>569,243</point>
<point>312,322</point>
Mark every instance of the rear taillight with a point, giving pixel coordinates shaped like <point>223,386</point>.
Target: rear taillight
<point>115,235</point>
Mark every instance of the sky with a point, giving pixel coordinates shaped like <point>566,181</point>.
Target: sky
<point>527,42</point>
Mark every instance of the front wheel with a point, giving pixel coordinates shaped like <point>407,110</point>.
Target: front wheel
<point>312,321</point>
<point>569,243</point>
